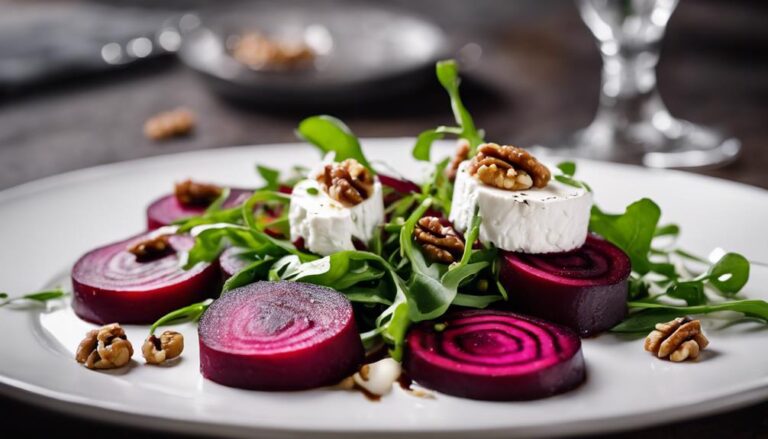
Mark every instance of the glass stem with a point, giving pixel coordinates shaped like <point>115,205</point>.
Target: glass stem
<point>628,93</point>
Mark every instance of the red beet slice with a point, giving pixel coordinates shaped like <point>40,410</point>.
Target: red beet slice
<point>584,289</point>
<point>233,260</point>
<point>110,285</point>
<point>399,185</point>
<point>494,355</point>
<point>167,209</point>
<point>279,336</point>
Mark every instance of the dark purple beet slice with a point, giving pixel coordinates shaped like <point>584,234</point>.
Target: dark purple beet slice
<point>110,285</point>
<point>584,289</point>
<point>167,209</point>
<point>494,355</point>
<point>279,336</point>
<point>399,185</point>
<point>233,260</point>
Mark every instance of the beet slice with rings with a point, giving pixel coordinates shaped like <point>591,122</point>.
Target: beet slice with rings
<point>112,285</point>
<point>279,336</point>
<point>584,289</point>
<point>494,355</point>
<point>167,209</point>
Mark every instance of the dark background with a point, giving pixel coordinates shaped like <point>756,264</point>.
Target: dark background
<point>538,78</point>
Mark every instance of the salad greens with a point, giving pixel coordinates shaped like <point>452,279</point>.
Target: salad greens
<point>391,284</point>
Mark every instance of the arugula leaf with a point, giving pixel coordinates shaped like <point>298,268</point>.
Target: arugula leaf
<point>271,177</point>
<point>254,271</point>
<point>39,296</point>
<point>472,301</point>
<point>691,291</point>
<point>448,75</point>
<point>729,274</point>
<point>667,230</point>
<point>567,168</point>
<point>332,135</point>
<point>631,231</point>
<point>423,146</point>
<point>658,312</point>
<point>188,313</point>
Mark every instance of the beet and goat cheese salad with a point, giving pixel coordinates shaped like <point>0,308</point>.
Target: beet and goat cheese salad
<point>478,281</point>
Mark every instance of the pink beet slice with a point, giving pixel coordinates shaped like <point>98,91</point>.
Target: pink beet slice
<point>279,336</point>
<point>494,356</point>
<point>110,285</point>
<point>167,209</point>
<point>584,289</point>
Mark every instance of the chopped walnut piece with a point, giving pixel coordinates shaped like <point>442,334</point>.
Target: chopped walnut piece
<point>193,194</point>
<point>262,53</point>
<point>151,249</point>
<point>159,350</point>
<point>348,182</point>
<point>105,348</point>
<point>462,154</point>
<point>508,167</point>
<point>440,243</point>
<point>178,122</point>
<point>678,340</point>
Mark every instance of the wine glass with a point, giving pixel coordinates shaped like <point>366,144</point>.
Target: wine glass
<point>632,123</point>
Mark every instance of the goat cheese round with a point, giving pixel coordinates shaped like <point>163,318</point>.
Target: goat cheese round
<point>327,226</point>
<point>537,220</point>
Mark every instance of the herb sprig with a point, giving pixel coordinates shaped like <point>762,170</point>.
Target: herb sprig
<point>36,297</point>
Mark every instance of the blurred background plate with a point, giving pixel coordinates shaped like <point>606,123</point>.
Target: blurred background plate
<point>366,52</point>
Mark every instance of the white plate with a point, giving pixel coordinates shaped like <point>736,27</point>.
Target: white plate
<point>46,225</point>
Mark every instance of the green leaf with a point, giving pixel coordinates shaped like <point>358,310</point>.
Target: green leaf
<point>567,168</point>
<point>690,291</point>
<point>472,301</point>
<point>645,321</point>
<point>631,231</point>
<point>332,135</point>
<point>448,76</point>
<point>38,296</point>
<point>667,230</point>
<point>659,312</point>
<point>256,270</point>
<point>271,177</point>
<point>423,146</point>
<point>188,313</point>
<point>569,181</point>
<point>729,274</point>
<point>218,202</point>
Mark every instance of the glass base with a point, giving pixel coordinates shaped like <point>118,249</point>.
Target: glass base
<point>662,142</point>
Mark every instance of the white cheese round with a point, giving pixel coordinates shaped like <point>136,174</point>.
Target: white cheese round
<point>546,220</point>
<point>327,226</point>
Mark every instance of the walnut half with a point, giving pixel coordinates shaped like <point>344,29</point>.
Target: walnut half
<point>508,167</point>
<point>678,340</point>
<point>168,346</point>
<point>105,348</point>
<point>348,182</point>
<point>151,249</point>
<point>440,243</point>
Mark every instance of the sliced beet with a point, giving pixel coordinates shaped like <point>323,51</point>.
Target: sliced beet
<point>279,336</point>
<point>494,355</point>
<point>584,289</point>
<point>400,185</point>
<point>111,285</point>
<point>233,260</point>
<point>167,209</point>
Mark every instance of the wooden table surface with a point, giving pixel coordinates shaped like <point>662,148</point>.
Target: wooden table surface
<point>537,78</point>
